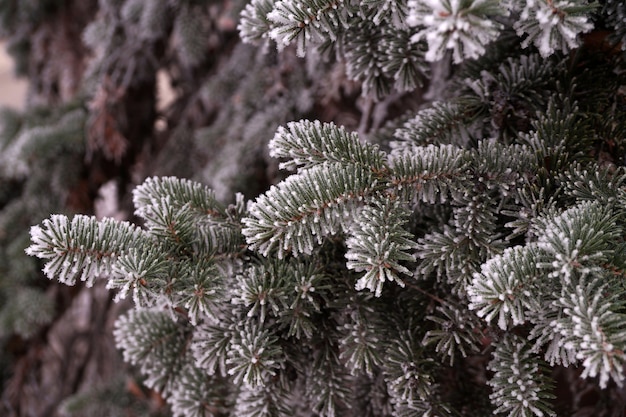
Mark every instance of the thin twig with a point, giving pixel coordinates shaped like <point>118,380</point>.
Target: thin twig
<point>426,293</point>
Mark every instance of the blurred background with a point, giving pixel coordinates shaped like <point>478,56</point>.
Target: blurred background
<point>12,89</point>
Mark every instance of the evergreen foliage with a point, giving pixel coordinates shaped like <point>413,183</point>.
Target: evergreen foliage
<point>497,210</point>
<point>27,139</point>
<point>519,382</point>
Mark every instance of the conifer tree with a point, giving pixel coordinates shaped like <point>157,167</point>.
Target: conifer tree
<point>462,257</point>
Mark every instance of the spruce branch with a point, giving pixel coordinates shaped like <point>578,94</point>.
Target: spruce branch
<point>571,255</point>
<point>506,286</point>
<point>448,254</point>
<point>311,288</point>
<point>547,337</point>
<point>592,332</point>
<point>299,321</point>
<point>218,239</point>
<point>360,346</point>
<point>82,248</point>
<point>557,136</point>
<point>179,192</point>
<point>267,401</point>
<point>254,356</point>
<point>578,241</point>
<point>146,273</point>
<point>378,245</point>
<point>520,386</point>
<point>463,26</point>
<point>200,290</point>
<point>328,384</point>
<point>594,183</point>
<point>170,224</point>
<point>428,173</point>
<point>517,78</point>
<point>307,144</point>
<point>364,49</point>
<point>407,370</point>
<point>505,97</point>
<point>504,168</point>
<point>187,215</point>
<point>433,407</point>
<point>380,11</point>
<point>403,59</point>
<point>553,25</point>
<point>383,58</point>
<point>458,331</point>
<point>532,202</point>
<point>199,395</point>
<point>211,343</point>
<point>300,211</point>
<point>442,123</point>
<point>615,13</point>
<point>261,290</point>
<point>157,344</point>
<point>477,220</point>
<point>307,22</point>
<point>254,25</point>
